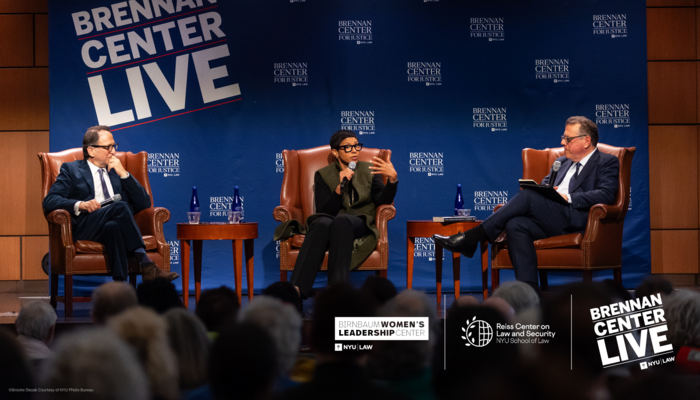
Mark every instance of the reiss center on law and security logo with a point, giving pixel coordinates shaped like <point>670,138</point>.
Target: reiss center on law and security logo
<point>477,333</point>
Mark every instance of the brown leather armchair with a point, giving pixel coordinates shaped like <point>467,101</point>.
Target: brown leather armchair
<point>600,247</point>
<point>84,257</point>
<point>297,203</point>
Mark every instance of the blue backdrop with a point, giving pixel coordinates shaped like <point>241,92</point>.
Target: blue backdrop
<point>214,91</point>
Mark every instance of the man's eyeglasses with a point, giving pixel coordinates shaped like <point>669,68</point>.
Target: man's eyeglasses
<point>109,148</point>
<point>349,148</point>
<point>570,138</point>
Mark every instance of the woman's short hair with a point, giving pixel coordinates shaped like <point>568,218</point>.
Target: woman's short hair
<point>340,136</point>
<point>35,319</point>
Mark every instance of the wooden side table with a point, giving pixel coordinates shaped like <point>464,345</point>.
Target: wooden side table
<point>238,233</point>
<point>416,229</point>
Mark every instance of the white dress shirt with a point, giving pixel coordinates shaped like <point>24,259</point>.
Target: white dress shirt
<point>564,185</point>
<point>99,194</point>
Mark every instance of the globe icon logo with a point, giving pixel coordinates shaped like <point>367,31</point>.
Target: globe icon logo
<point>478,333</point>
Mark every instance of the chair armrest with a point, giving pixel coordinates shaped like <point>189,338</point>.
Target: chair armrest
<point>497,207</point>
<point>150,222</point>
<point>284,214</point>
<point>383,214</point>
<point>63,220</point>
<point>600,214</point>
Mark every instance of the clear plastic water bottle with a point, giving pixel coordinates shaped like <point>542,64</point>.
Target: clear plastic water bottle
<point>459,201</point>
<point>236,207</point>
<point>194,203</point>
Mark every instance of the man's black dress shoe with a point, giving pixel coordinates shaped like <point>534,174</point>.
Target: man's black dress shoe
<point>457,243</point>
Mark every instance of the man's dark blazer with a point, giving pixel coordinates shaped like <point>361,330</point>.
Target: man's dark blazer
<point>597,183</point>
<point>75,183</point>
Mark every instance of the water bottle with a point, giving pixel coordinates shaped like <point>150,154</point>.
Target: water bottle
<point>459,201</point>
<point>194,203</point>
<point>236,207</point>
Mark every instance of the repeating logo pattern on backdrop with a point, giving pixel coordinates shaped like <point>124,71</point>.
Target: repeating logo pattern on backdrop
<point>294,73</point>
<point>430,163</point>
<point>614,25</point>
<point>494,118</point>
<point>360,122</point>
<point>167,164</point>
<point>425,72</point>
<point>219,206</point>
<point>486,200</point>
<point>358,31</point>
<point>617,115</point>
<point>425,247</point>
<point>491,28</point>
<point>556,69</point>
<point>174,252</point>
<point>279,163</point>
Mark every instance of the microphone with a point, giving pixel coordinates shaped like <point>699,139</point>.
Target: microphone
<point>352,167</point>
<point>117,197</point>
<point>555,171</point>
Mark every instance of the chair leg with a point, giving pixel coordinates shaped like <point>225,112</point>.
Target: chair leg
<point>132,280</point>
<point>495,279</point>
<point>68,294</point>
<point>53,291</point>
<point>283,276</point>
<point>544,283</point>
<point>587,276</point>
<point>617,275</point>
<point>384,273</point>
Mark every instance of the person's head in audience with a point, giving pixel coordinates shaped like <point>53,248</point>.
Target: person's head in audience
<point>465,365</point>
<point>37,320</point>
<point>519,295</point>
<point>158,294</point>
<point>682,311</point>
<point>652,285</point>
<point>189,341</point>
<point>568,316</point>
<point>502,307</point>
<point>338,300</point>
<point>392,360</point>
<point>380,289</point>
<point>243,363</point>
<point>284,291</point>
<point>615,291</point>
<point>282,322</point>
<point>217,308</point>
<point>146,332</point>
<point>111,299</point>
<point>14,367</point>
<point>97,360</point>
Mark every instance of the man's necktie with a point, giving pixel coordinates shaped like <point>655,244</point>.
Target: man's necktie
<point>104,185</point>
<point>573,178</point>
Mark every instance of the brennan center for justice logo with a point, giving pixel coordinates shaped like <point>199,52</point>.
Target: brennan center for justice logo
<point>494,118</point>
<point>357,31</point>
<point>167,164</point>
<point>425,248</point>
<point>425,72</point>
<point>221,205</point>
<point>491,28</point>
<point>360,122</point>
<point>556,69</point>
<point>294,73</point>
<point>617,115</point>
<point>614,25</point>
<point>279,163</point>
<point>174,251</point>
<point>486,200</point>
<point>430,163</point>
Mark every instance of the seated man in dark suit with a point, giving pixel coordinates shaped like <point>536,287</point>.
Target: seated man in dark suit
<point>587,177</point>
<point>82,185</point>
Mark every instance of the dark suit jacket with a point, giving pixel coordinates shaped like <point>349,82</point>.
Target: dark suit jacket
<point>597,183</point>
<point>74,183</point>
